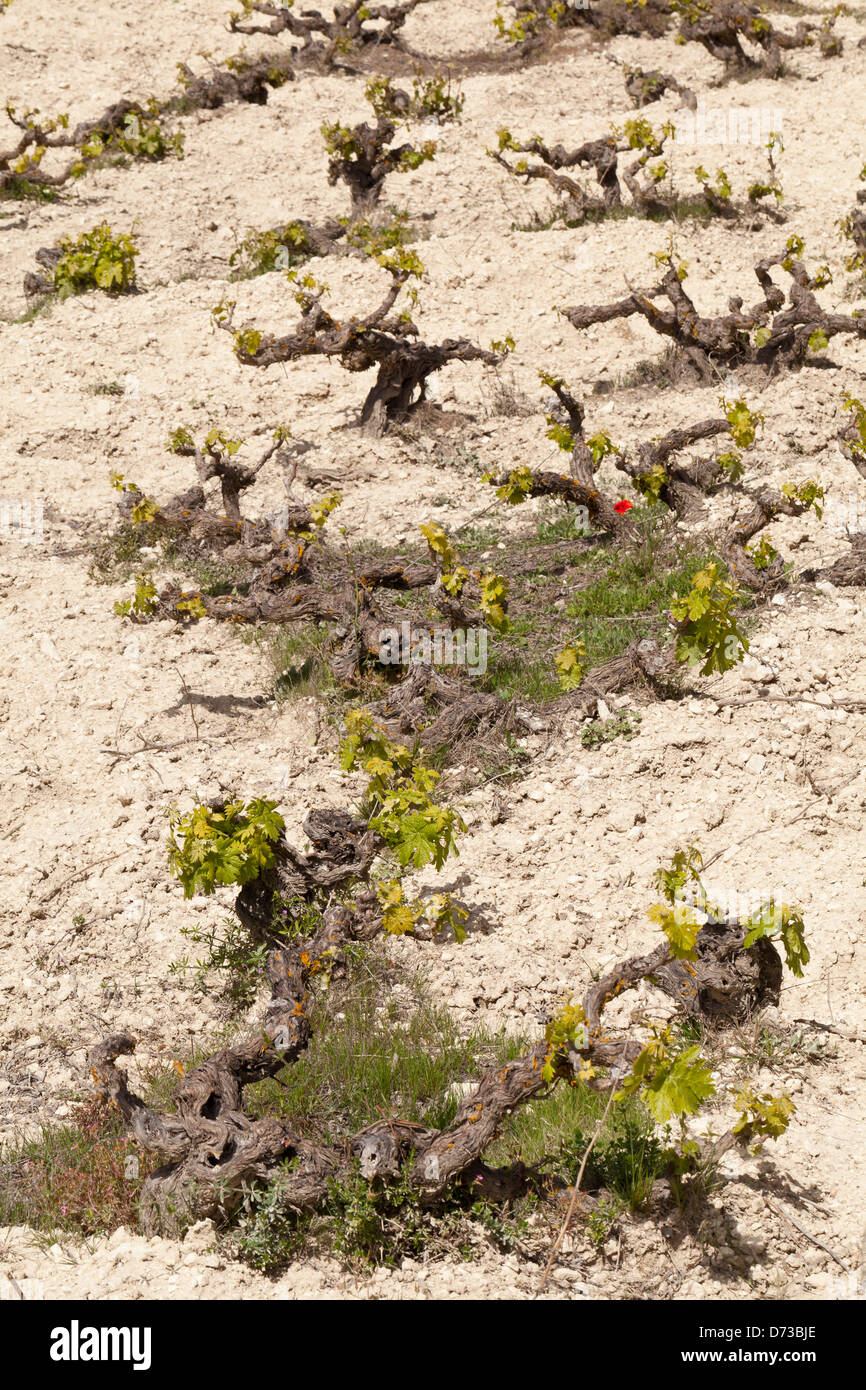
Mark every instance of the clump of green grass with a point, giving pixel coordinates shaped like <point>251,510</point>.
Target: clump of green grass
<point>296,654</point>
<point>213,577</point>
<point>626,1160</point>
<point>559,525</point>
<point>39,307</point>
<point>688,205</point>
<point>524,669</point>
<point>607,600</point>
<point>660,372</point>
<point>630,599</point>
<point>81,1178</point>
<point>373,1057</point>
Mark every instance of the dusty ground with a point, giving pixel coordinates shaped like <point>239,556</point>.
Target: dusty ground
<point>776,789</point>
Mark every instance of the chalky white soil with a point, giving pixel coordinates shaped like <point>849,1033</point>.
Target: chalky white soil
<point>558,873</point>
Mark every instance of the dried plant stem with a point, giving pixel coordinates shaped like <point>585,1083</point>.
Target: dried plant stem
<point>555,1248</point>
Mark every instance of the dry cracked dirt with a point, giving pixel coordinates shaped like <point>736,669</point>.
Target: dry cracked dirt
<point>761,767</point>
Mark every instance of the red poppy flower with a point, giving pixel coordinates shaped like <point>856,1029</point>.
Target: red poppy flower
<point>623,506</point>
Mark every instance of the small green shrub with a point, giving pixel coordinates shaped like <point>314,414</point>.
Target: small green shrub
<point>431,98</point>
<point>277,249</point>
<point>708,635</point>
<point>625,725</point>
<point>397,802</point>
<point>143,603</point>
<point>141,137</point>
<point>627,600</point>
<point>98,260</point>
<point>233,844</point>
<point>603,1219</point>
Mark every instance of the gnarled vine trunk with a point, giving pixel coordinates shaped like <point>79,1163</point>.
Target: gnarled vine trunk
<point>215,1152</point>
